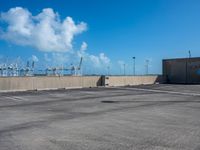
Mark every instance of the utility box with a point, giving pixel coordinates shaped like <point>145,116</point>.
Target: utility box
<point>105,80</point>
<point>182,70</point>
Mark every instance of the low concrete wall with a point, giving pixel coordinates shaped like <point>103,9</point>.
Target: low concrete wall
<point>41,83</point>
<point>33,83</point>
<point>131,80</point>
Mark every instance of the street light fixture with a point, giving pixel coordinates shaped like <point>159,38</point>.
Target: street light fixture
<point>134,65</point>
<point>108,70</point>
<point>189,52</point>
<point>124,69</point>
<point>147,66</point>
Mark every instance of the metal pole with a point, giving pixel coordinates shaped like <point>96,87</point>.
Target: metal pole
<point>189,53</point>
<point>108,70</point>
<point>124,69</point>
<point>134,66</point>
<point>147,66</point>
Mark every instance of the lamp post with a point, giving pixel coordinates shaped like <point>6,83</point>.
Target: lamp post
<point>147,66</point>
<point>108,70</point>
<point>133,66</point>
<point>124,69</point>
<point>189,52</point>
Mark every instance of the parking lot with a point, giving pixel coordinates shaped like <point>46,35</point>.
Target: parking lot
<point>145,117</point>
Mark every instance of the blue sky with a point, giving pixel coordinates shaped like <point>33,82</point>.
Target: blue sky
<point>146,29</point>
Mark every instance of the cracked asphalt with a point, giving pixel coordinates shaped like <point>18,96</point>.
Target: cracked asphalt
<point>145,117</point>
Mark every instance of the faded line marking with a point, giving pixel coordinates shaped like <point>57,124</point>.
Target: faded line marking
<point>15,98</point>
<point>161,91</point>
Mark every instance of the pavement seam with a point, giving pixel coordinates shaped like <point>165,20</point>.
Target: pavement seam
<point>161,91</point>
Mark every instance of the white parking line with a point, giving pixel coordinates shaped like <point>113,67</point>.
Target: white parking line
<point>161,91</point>
<point>15,98</point>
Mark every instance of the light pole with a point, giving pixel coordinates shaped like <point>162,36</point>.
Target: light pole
<point>147,66</point>
<point>108,70</point>
<point>189,52</point>
<point>133,66</point>
<point>124,69</point>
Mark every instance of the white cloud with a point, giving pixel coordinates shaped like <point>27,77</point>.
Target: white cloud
<point>84,46</point>
<point>82,50</point>
<point>46,58</point>
<point>57,59</point>
<point>104,59</point>
<point>100,60</point>
<point>34,58</point>
<point>44,31</point>
<point>48,33</point>
<point>95,60</point>
<point>60,58</point>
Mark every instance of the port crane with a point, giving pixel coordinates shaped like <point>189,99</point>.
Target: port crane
<point>74,69</point>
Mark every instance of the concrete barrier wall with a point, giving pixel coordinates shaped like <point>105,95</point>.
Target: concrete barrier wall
<point>41,83</point>
<point>131,80</point>
<point>33,83</point>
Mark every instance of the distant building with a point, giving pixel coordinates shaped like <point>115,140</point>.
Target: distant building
<point>182,70</point>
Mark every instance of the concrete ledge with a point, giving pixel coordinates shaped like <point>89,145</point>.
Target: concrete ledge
<point>47,83</point>
<point>131,80</point>
<point>10,84</point>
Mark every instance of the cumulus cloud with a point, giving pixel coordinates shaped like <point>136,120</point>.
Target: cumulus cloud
<point>82,50</point>
<point>44,31</point>
<point>58,59</point>
<point>83,46</point>
<point>104,58</point>
<point>34,58</point>
<point>47,32</point>
<point>100,60</point>
<point>46,58</point>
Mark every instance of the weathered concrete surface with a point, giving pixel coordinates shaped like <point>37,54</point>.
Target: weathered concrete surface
<point>182,70</point>
<point>55,82</point>
<point>48,82</point>
<point>121,118</point>
<point>131,80</point>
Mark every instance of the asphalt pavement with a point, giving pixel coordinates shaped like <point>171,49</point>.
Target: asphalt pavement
<point>146,117</point>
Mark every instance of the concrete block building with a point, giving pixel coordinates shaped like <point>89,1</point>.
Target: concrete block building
<point>182,70</point>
